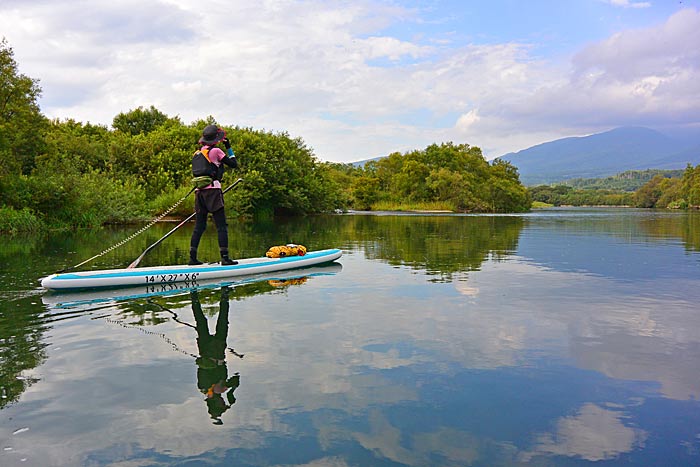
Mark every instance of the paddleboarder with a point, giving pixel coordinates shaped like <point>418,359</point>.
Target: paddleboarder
<point>208,162</point>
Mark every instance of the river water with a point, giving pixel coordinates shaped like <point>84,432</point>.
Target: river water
<point>554,338</point>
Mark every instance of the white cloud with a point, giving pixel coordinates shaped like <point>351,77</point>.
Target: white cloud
<point>330,73</point>
<point>628,4</point>
<point>392,48</point>
<point>647,77</point>
<point>666,50</point>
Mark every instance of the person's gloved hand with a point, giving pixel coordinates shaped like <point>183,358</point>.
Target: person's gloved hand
<point>227,143</point>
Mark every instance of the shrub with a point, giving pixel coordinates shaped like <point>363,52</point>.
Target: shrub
<point>15,221</point>
<point>166,200</point>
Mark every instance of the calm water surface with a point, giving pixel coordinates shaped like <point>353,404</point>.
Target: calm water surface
<point>556,338</point>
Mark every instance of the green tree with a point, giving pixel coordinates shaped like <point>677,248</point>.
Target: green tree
<point>365,191</point>
<point>21,122</point>
<point>670,192</point>
<point>410,182</point>
<point>650,193</point>
<point>342,176</point>
<point>75,147</point>
<point>141,120</point>
<point>690,185</point>
<point>452,175</point>
<point>673,192</point>
<point>550,194</point>
<point>508,194</point>
<point>446,185</point>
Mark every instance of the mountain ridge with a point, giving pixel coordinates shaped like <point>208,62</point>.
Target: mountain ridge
<point>601,155</point>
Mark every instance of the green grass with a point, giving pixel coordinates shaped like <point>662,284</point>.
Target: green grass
<point>413,206</point>
<point>540,205</point>
<point>14,221</point>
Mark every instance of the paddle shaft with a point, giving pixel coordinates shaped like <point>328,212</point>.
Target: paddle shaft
<point>189,218</point>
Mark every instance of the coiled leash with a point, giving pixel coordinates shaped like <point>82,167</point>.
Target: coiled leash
<point>132,236</point>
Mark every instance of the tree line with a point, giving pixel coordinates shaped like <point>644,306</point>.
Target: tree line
<point>565,195</point>
<point>66,174</point>
<point>629,180</point>
<point>665,189</point>
<point>677,192</point>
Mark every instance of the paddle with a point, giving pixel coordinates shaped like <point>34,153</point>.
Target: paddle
<point>138,260</point>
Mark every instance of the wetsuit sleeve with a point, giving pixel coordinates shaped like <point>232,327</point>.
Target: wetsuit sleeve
<point>222,158</point>
<point>231,161</point>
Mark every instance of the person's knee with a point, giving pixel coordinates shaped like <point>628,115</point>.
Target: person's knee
<point>221,224</point>
<point>200,225</point>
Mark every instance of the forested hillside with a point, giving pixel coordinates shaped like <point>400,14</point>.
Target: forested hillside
<point>663,190</point>
<point>630,180</point>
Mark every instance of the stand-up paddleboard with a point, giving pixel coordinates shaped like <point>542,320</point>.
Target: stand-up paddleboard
<point>88,299</point>
<point>183,273</point>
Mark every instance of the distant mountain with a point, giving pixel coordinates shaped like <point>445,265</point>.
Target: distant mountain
<point>363,162</point>
<point>602,155</point>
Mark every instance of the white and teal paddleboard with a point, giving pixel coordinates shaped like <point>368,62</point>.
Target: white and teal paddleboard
<point>90,299</point>
<point>183,273</point>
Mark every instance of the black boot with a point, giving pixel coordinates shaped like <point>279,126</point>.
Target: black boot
<point>193,257</point>
<point>225,260</point>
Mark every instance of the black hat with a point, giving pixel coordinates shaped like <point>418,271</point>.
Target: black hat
<point>212,134</point>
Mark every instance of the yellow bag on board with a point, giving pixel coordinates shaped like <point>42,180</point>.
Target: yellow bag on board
<point>286,250</point>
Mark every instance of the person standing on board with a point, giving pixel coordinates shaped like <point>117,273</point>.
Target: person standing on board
<point>209,161</point>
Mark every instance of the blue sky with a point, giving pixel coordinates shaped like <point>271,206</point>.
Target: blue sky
<point>552,25</point>
<point>360,79</point>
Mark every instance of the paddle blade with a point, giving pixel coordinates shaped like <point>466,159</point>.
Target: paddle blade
<point>135,263</point>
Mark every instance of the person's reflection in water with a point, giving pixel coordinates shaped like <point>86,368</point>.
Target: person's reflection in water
<point>212,374</point>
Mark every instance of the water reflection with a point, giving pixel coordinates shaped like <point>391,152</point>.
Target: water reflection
<point>22,346</point>
<point>550,339</point>
<point>212,374</point>
<point>443,246</point>
<point>594,433</point>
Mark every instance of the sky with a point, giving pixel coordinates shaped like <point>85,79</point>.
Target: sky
<point>362,79</point>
